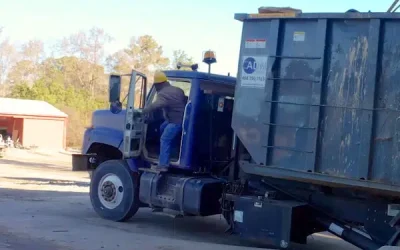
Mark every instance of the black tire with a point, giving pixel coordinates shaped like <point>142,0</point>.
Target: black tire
<point>129,203</point>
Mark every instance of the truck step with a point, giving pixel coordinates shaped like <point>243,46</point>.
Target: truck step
<point>151,170</point>
<point>161,211</point>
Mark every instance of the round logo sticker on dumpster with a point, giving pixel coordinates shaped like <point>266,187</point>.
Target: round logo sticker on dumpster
<point>249,65</point>
<point>254,71</point>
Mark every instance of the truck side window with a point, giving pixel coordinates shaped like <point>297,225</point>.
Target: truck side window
<point>140,95</point>
<point>185,85</point>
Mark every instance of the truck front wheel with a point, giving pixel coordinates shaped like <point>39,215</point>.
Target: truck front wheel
<point>114,191</point>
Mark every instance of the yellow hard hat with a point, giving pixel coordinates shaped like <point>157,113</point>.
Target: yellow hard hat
<point>159,77</point>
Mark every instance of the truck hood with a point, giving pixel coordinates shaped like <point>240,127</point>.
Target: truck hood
<point>104,118</point>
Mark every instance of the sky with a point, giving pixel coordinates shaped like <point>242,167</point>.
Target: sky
<point>192,26</point>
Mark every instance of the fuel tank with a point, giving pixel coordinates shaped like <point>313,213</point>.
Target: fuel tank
<point>189,195</point>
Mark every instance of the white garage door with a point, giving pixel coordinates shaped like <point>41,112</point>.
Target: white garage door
<point>43,133</point>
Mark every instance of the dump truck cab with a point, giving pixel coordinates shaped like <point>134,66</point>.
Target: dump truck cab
<point>208,110</point>
<point>200,155</point>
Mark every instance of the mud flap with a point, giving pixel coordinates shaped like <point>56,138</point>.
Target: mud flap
<point>84,162</point>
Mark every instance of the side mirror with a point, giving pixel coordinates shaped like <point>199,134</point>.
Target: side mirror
<point>114,88</point>
<point>116,107</point>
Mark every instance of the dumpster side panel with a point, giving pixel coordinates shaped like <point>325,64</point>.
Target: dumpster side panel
<point>295,88</point>
<point>249,99</point>
<point>386,151</point>
<point>343,125</point>
<point>330,102</point>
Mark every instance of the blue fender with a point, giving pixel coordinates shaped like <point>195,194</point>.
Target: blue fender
<point>102,135</point>
<point>111,137</point>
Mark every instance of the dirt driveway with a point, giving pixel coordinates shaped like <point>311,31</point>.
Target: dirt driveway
<point>45,206</point>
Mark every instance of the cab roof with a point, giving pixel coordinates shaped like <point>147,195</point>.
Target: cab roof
<point>201,75</point>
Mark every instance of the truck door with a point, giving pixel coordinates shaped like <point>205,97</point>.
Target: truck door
<point>134,123</point>
<point>132,144</point>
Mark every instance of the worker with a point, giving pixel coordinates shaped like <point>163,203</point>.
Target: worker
<point>172,101</point>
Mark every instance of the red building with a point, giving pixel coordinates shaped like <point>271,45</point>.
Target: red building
<point>34,123</point>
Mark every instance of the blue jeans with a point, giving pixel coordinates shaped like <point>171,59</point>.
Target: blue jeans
<point>168,133</point>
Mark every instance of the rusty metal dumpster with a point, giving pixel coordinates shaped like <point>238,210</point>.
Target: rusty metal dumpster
<point>325,98</point>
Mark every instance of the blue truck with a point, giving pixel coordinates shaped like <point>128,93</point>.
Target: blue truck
<point>304,140</point>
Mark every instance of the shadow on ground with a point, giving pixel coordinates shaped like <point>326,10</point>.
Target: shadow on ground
<point>34,164</point>
<point>43,181</point>
<point>24,242</point>
<point>35,195</point>
<point>210,230</point>
<point>195,229</point>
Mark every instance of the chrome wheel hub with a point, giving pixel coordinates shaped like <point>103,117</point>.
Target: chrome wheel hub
<point>110,191</point>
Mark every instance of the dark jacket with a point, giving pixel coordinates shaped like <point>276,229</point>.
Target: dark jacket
<point>171,100</point>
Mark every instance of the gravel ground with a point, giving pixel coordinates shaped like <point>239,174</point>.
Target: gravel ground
<point>45,206</point>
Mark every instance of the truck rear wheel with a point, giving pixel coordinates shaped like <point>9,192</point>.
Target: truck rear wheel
<point>114,191</point>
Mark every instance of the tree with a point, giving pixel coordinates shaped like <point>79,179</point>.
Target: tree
<point>88,47</point>
<point>7,59</point>
<point>21,90</point>
<point>24,71</point>
<point>72,78</point>
<point>143,54</point>
<point>75,71</point>
<point>28,69</point>
<point>180,56</point>
<point>33,51</point>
